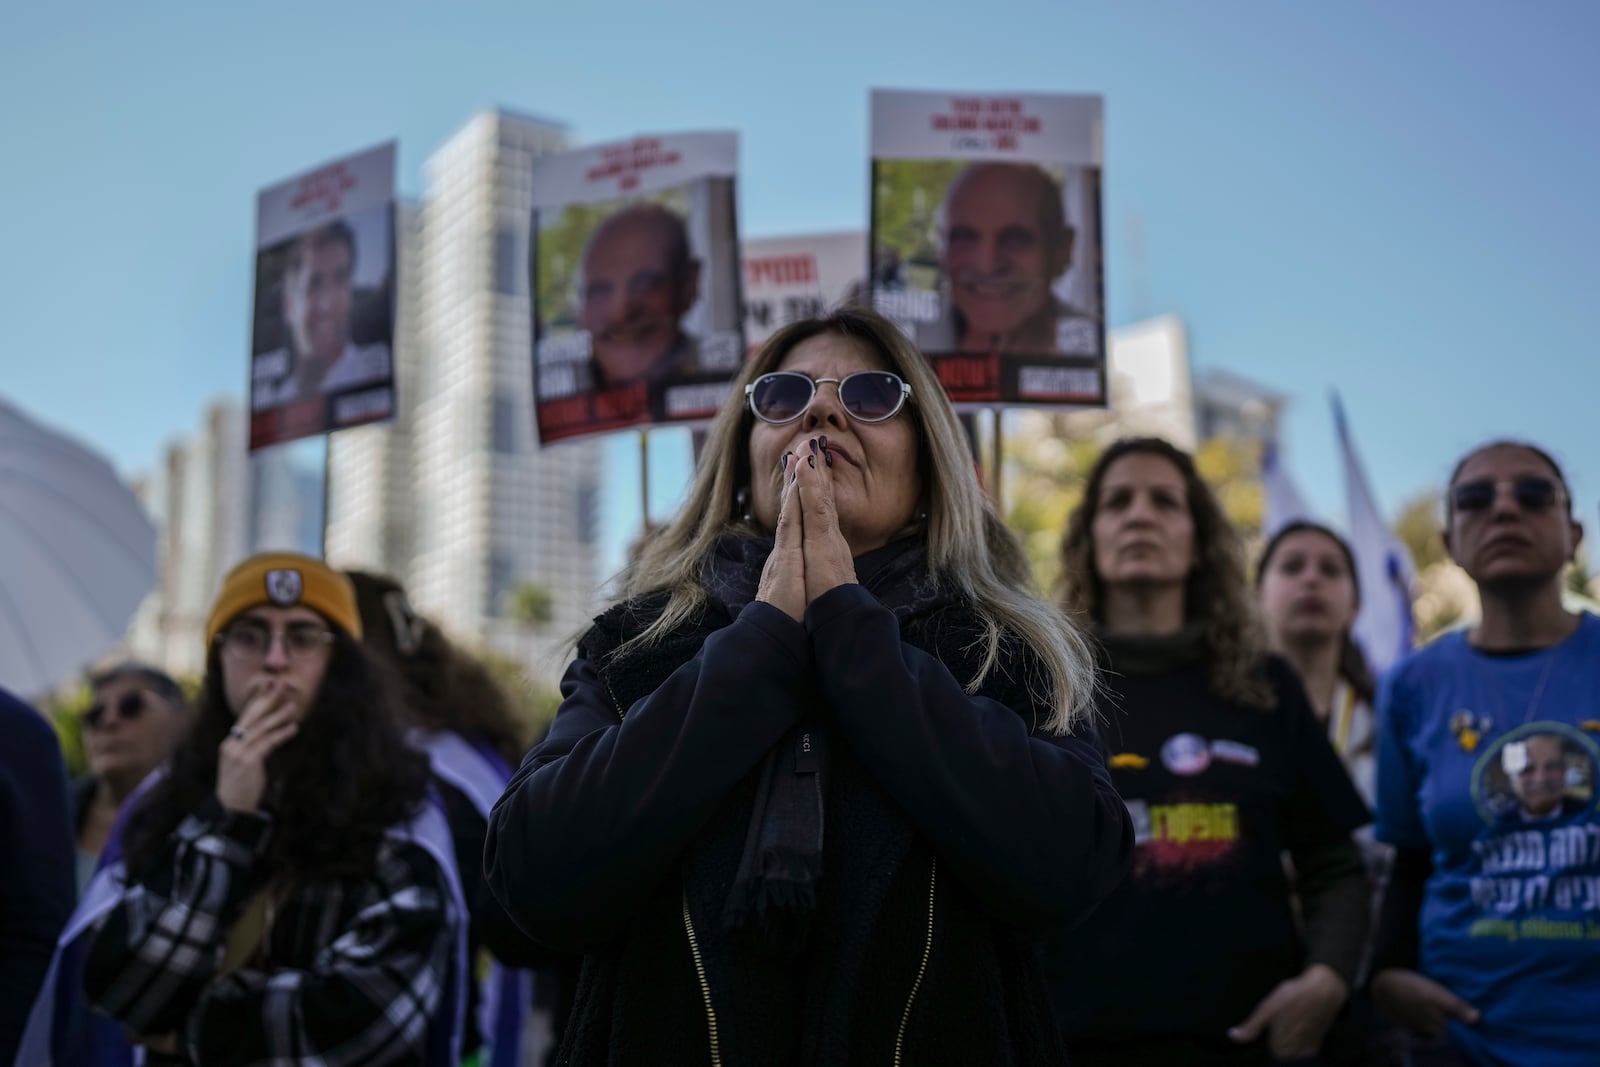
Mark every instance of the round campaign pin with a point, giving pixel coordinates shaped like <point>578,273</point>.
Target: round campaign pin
<point>1186,754</point>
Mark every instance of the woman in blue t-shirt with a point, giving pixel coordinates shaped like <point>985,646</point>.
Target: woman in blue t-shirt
<point>1489,942</point>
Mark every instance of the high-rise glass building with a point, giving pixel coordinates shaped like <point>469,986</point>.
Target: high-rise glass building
<point>454,497</point>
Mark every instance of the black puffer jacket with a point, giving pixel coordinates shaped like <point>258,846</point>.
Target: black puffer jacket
<point>954,832</point>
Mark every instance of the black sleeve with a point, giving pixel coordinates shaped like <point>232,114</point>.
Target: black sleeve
<point>491,927</point>
<point>37,884</point>
<point>1322,809</point>
<point>600,812</point>
<point>1324,805</point>
<point>1400,915</point>
<point>1332,882</point>
<point>1030,825</point>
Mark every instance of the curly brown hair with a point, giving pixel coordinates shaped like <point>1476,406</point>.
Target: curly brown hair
<point>1215,595</point>
<point>443,687</point>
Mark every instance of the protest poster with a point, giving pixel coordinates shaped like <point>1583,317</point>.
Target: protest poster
<point>634,267</point>
<point>322,333</point>
<point>985,241</point>
<point>799,277</point>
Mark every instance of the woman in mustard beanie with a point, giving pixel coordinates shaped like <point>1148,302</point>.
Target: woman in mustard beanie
<point>289,891</point>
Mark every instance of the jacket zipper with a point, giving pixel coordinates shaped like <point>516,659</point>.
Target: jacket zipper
<point>922,969</point>
<point>705,986</point>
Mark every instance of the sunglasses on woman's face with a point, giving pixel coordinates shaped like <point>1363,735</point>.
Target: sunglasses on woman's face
<point>1531,492</point>
<point>130,707</point>
<point>866,396</point>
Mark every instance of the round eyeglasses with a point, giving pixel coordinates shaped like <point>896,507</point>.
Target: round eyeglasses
<point>249,641</point>
<point>866,395</point>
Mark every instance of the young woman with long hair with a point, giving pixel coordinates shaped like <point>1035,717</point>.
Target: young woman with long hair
<point>289,891</point>
<point>1309,596</point>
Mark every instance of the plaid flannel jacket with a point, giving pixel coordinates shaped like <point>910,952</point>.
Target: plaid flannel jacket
<point>357,968</point>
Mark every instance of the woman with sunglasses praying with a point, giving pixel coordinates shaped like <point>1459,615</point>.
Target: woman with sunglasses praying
<point>288,892</point>
<point>820,778</point>
<point>136,717</point>
<point>1487,772</point>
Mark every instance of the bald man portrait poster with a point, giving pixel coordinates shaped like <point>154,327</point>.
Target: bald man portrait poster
<point>985,243</point>
<point>634,276</point>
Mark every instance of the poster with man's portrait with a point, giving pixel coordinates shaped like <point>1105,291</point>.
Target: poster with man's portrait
<point>322,335</point>
<point>634,267</point>
<point>985,241</point>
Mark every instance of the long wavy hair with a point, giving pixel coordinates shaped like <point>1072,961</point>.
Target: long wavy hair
<point>1353,667</point>
<point>969,549</point>
<point>1215,594</point>
<point>335,787</point>
<point>443,688</point>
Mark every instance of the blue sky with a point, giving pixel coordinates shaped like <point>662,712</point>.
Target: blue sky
<point>1396,200</point>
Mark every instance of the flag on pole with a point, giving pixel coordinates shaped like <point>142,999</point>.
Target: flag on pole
<point>1384,567</point>
<point>1283,503</point>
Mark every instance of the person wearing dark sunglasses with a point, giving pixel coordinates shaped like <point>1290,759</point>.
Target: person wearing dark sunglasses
<point>820,778</point>
<point>136,717</point>
<point>1482,952</point>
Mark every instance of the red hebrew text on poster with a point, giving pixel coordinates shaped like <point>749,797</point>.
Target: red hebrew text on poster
<point>781,270</point>
<point>625,162</point>
<point>325,187</point>
<point>1003,120</point>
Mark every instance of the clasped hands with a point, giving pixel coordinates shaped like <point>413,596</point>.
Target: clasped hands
<point>809,554</point>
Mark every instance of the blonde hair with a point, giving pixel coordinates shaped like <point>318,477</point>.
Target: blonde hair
<point>969,549</point>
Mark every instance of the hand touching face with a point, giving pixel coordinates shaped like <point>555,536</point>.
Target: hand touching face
<point>874,478</point>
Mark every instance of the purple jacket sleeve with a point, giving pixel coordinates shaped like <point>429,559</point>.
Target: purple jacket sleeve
<point>600,812</point>
<point>1030,825</point>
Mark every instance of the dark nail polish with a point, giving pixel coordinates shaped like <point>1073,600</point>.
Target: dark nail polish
<point>829,457</point>
<point>796,473</point>
<point>813,443</point>
<point>824,440</point>
<point>813,461</point>
<point>785,464</point>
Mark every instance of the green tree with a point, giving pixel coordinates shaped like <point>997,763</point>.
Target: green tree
<point>65,710</point>
<point>535,704</point>
<point>531,604</point>
<point>906,197</point>
<point>1419,527</point>
<point>1579,576</point>
<point>1046,469</point>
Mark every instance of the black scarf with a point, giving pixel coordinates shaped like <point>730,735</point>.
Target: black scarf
<point>781,866</point>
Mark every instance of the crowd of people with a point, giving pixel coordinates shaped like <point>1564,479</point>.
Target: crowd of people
<point>832,783</point>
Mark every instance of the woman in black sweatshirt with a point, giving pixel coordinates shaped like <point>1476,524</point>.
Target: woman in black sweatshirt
<point>1200,958</point>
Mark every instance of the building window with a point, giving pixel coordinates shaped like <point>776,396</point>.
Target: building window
<point>508,273</point>
<point>588,513</point>
<point>502,575</point>
<point>504,422</point>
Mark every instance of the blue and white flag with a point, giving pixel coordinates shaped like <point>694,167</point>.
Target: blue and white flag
<point>1282,502</point>
<point>1384,629</point>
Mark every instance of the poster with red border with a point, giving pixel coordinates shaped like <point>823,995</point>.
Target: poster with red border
<point>634,268</point>
<point>322,329</point>
<point>986,241</point>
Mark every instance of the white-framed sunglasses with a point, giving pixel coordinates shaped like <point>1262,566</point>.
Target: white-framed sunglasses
<point>866,395</point>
